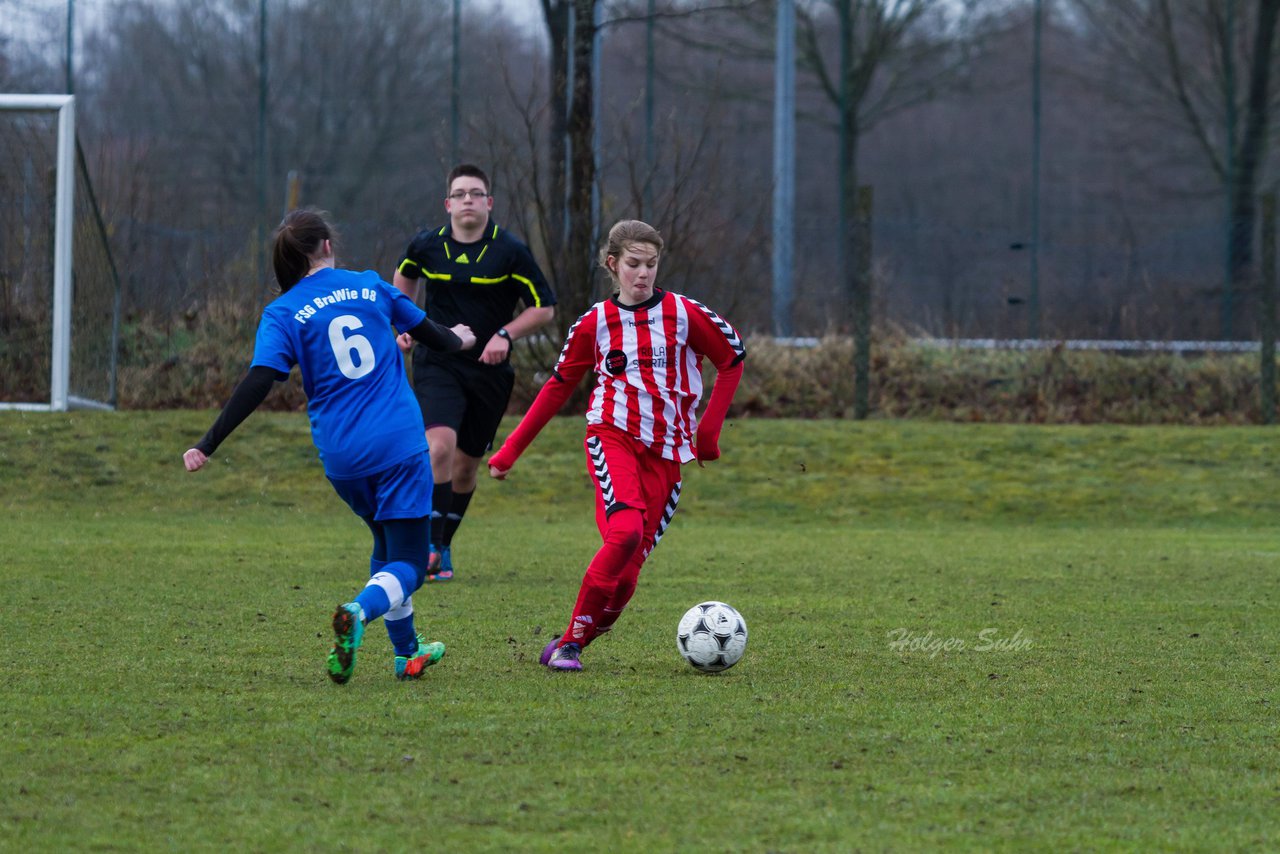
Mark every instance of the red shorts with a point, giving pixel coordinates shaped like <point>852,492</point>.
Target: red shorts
<point>627,474</point>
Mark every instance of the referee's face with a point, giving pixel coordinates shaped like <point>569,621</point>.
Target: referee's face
<point>468,202</point>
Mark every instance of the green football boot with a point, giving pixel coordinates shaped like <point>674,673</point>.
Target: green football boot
<point>348,631</point>
<point>412,666</point>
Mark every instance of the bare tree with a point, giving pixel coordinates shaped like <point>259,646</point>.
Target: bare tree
<point>558,15</point>
<point>167,107</point>
<point>868,59</point>
<point>892,54</point>
<point>571,27</point>
<point>348,113</point>
<point>1205,71</point>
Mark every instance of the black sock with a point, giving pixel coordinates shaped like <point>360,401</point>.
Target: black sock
<point>441,499</point>
<point>457,509</point>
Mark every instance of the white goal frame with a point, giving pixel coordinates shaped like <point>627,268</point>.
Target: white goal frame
<point>64,211</point>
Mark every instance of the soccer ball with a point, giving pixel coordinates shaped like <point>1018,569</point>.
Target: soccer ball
<point>712,636</point>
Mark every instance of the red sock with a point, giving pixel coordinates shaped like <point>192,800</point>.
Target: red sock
<point>622,593</point>
<point>608,617</point>
<point>599,585</point>
<point>586,613</point>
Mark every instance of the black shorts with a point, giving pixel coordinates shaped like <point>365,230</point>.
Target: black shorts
<point>465,395</point>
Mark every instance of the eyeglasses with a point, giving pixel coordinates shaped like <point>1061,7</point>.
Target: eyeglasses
<point>459,195</point>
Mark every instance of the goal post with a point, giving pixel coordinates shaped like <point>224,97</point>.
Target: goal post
<point>58,324</point>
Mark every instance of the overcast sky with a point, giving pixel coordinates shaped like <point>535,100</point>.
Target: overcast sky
<point>524,11</point>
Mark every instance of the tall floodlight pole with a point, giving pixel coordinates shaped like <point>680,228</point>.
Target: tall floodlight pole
<point>1229,84</point>
<point>784,167</point>
<point>454,119</point>
<point>1033,295</point>
<point>649,150</point>
<point>259,260</point>
<point>1267,328</point>
<point>71,40</point>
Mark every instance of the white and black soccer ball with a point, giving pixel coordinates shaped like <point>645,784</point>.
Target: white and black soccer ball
<point>712,636</point>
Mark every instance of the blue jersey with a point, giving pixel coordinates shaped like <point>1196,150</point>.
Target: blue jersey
<point>335,325</point>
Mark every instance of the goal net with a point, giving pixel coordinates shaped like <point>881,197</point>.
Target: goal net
<point>59,289</point>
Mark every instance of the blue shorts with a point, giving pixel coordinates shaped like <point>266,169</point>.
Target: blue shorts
<point>402,491</point>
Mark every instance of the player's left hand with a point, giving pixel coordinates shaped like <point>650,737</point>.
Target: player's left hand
<point>405,342</point>
<point>194,459</point>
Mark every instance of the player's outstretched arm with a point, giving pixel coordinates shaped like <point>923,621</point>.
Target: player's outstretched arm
<point>575,361</point>
<point>555,391</point>
<point>248,395</point>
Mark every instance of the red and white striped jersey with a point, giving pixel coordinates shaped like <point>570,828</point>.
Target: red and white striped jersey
<point>648,364</point>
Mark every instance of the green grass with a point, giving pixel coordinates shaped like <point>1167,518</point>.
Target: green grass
<point>165,636</point>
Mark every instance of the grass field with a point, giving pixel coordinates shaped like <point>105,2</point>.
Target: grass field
<point>962,636</point>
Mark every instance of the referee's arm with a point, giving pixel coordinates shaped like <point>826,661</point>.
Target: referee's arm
<point>412,288</point>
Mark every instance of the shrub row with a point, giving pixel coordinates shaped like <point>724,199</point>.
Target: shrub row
<point>913,380</point>
<point>196,362</point>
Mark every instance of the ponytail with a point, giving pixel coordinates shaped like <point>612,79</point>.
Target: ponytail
<point>298,240</point>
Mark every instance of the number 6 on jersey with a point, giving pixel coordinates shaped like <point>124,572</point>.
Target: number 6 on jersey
<point>344,345</point>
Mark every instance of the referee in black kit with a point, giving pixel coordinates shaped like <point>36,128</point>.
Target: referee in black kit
<point>476,273</point>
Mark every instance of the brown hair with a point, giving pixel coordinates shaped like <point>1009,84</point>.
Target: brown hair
<point>297,240</point>
<point>626,232</point>
<point>467,170</point>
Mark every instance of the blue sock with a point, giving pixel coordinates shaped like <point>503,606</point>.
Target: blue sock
<point>387,589</point>
<point>399,621</point>
<point>374,601</point>
<point>373,604</point>
<point>402,634</point>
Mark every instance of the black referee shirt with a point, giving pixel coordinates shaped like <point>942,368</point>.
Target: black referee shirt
<point>479,283</point>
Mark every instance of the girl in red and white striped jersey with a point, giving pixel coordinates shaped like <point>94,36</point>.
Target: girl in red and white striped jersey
<point>646,346</point>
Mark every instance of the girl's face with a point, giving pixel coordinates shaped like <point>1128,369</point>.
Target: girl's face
<point>636,270</point>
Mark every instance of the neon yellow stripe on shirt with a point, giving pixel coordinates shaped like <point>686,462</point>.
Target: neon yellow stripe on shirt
<point>537,303</point>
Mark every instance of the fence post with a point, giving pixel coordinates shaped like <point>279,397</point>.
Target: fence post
<point>1267,373</point>
<point>862,307</point>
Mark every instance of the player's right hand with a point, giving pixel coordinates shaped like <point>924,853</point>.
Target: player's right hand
<point>500,463</point>
<point>405,342</point>
<point>194,459</point>
<point>464,332</point>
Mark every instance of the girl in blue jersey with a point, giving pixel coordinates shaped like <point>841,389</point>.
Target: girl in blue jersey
<point>336,326</point>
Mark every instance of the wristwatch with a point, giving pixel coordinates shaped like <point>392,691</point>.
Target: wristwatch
<point>507,335</point>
